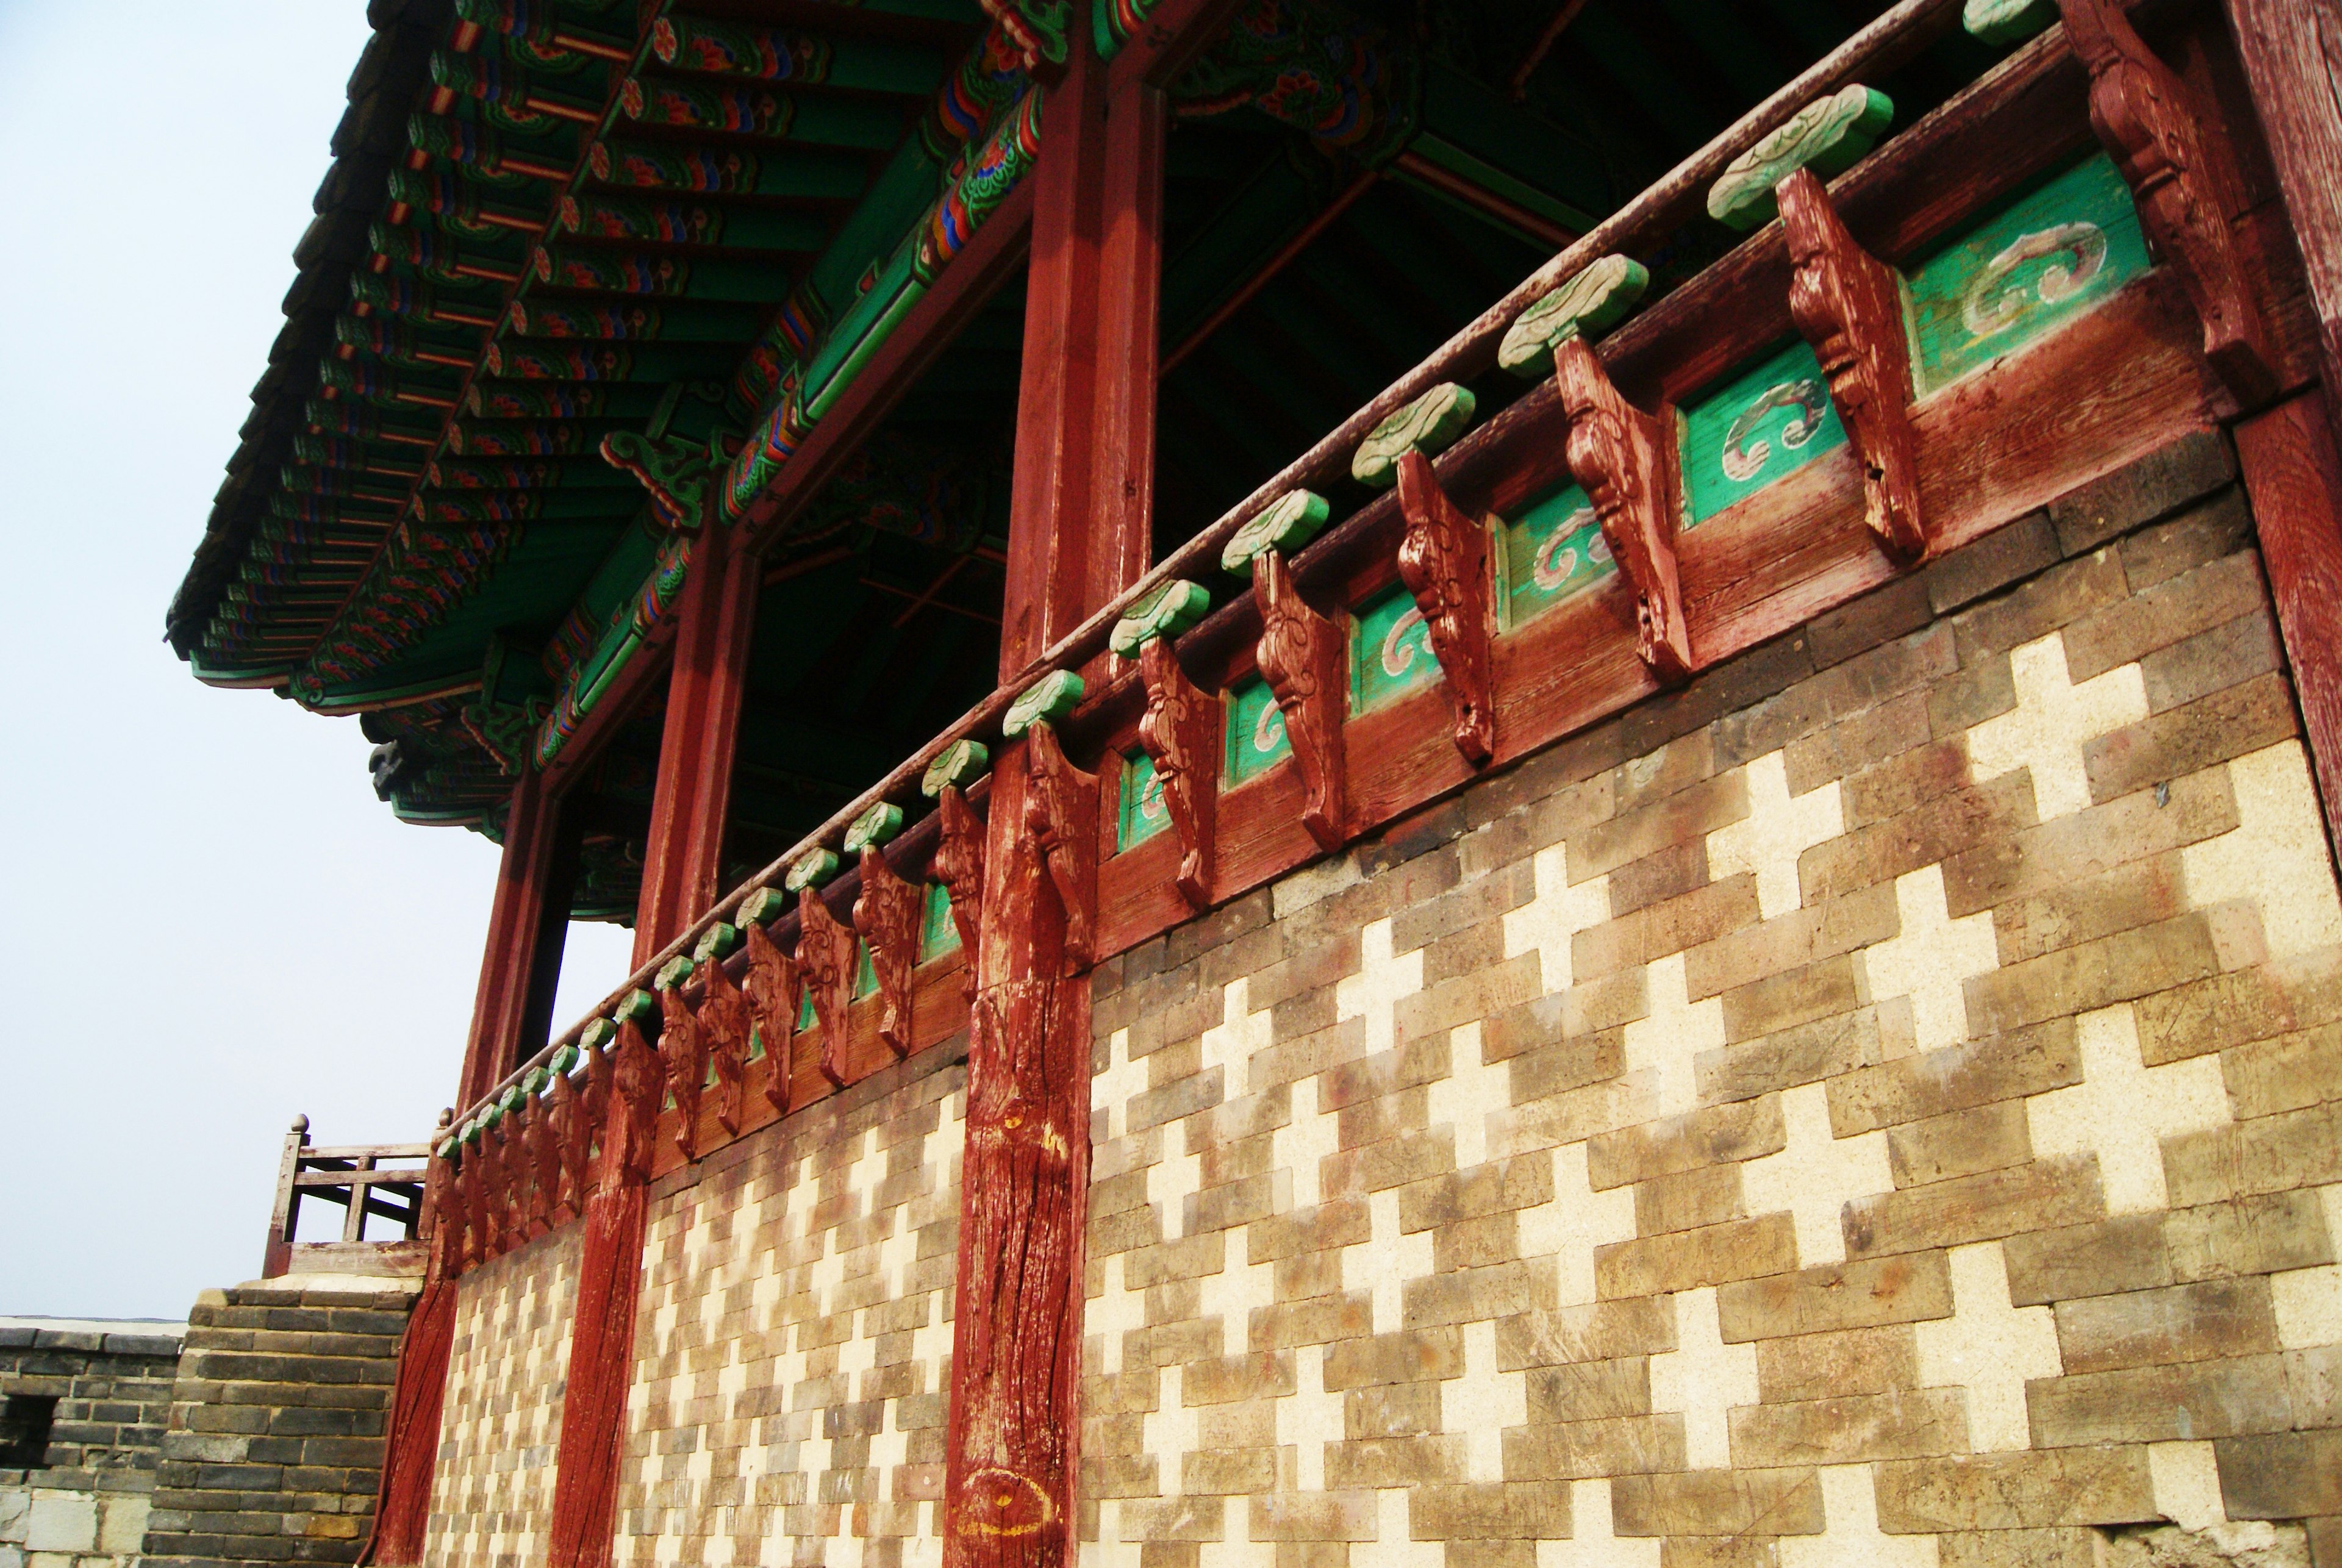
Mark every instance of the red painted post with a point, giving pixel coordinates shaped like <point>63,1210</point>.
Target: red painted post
<point>716,623</point>
<point>525,884</point>
<point>2293,475</point>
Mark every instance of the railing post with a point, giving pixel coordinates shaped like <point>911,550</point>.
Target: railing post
<point>286,1213</point>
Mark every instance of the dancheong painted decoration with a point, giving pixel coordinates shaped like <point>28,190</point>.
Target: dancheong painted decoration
<point>1311,712</point>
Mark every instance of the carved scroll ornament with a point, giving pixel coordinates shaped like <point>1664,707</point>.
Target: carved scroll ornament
<point>723,1024</point>
<point>1180,732</point>
<point>886,912</point>
<point>825,954</point>
<point>1301,657</point>
<point>1847,304</point>
<point>775,990</point>
<point>2185,181</point>
<point>1061,817</point>
<point>683,1053</point>
<point>1621,455</point>
<point>959,866</point>
<point>1443,561</point>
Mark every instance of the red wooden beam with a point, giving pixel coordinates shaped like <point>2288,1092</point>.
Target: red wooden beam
<point>1167,43</point>
<point>715,625</point>
<point>989,260</point>
<point>525,880</point>
<point>2293,476</point>
<point>1077,535</point>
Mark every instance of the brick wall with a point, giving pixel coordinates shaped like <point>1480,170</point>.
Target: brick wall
<point>1875,1106</point>
<point>274,1444</point>
<point>85,1504</point>
<point>793,1346</point>
<point>500,1421</point>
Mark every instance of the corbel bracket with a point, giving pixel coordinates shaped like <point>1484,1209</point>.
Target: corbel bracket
<point>633,1100</point>
<point>683,1052</point>
<point>464,1208</point>
<point>2185,181</point>
<point>775,994</point>
<point>723,1023</point>
<point>825,954</point>
<point>887,913</point>
<point>1443,561</point>
<point>1624,459</point>
<point>1301,657</point>
<point>1061,804</point>
<point>958,863</point>
<point>545,1161</point>
<point>1847,303</point>
<point>1180,730</point>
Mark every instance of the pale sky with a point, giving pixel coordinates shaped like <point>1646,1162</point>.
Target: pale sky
<point>215,925</point>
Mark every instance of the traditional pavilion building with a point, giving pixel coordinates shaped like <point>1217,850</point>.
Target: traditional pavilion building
<point>1401,781</point>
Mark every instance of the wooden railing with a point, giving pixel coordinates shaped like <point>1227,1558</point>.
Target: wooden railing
<point>1970,455</point>
<point>381,1181</point>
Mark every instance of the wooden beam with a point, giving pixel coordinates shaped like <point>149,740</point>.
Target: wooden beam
<point>2294,477</point>
<point>1166,44</point>
<point>2293,61</point>
<point>517,917</point>
<point>715,625</point>
<point>1077,534</point>
<point>963,289</point>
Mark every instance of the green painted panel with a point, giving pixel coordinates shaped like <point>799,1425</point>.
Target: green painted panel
<point>1555,549</point>
<point>866,978</point>
<point>1390,652</point>
<point>805,1009</point>
<point>938,932</point>
<point>1257,738</point>
<point>1762,426</point>
<point>2039,261</point>
<point>1143,813</point>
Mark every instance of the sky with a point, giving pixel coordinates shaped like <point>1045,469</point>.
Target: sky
<point>213,924</point>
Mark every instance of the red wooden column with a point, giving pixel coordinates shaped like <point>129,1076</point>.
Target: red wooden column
<point>1079,535</point>
<point>527,892</point>
<point>2293,476</point>
<point>715,623</point>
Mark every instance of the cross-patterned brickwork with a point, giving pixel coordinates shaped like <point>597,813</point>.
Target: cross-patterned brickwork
<point>794,1337</point>
<point>500,1424</point>
<point>1874,1106</point>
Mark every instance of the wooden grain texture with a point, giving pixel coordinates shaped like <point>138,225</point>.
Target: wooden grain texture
<point>1848,306</point>
<point>524,877</point>
<point>2292,55</point>
<point>602,1330</point>
<point>707,678</point>
<point>2294,477</point>
<point>1444,561</point>
<point>1011,1452</point>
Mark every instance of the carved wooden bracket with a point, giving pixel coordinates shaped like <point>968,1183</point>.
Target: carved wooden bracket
<point>574,1133</point>
<point>489,1216</point>
<point>723,1023</point>
<point>1625,460</point>
<point>632,1109</point>
<point>1061,803</point>
<point>825,954</point>
<point>514,1131</point>
<point>886,912</point>
<point>545,1160</point>
<point>2185,181</point>
<point>1302,658</point>
<point>1443,560</point>
<point>1181,732</point>
<point>1847,304</point>
<point>683,1052</point>
<point>958,864</point>
<point>463,1211</point>
<point>775,990</point>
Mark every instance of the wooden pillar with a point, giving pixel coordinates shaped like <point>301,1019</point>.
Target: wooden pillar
<point>411,1443</point>
<point>2293,476</point>
<point>717,621</point>
<point>531,896</point>
<point>2293,60</point>
<point>1079,535</point>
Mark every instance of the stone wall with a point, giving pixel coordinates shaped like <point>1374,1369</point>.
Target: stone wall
<point>274,1445</point>
<point>85,1505</point>
<point>793,1347</point>
<point>1875,1105</point>
<point>500,1421</point>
